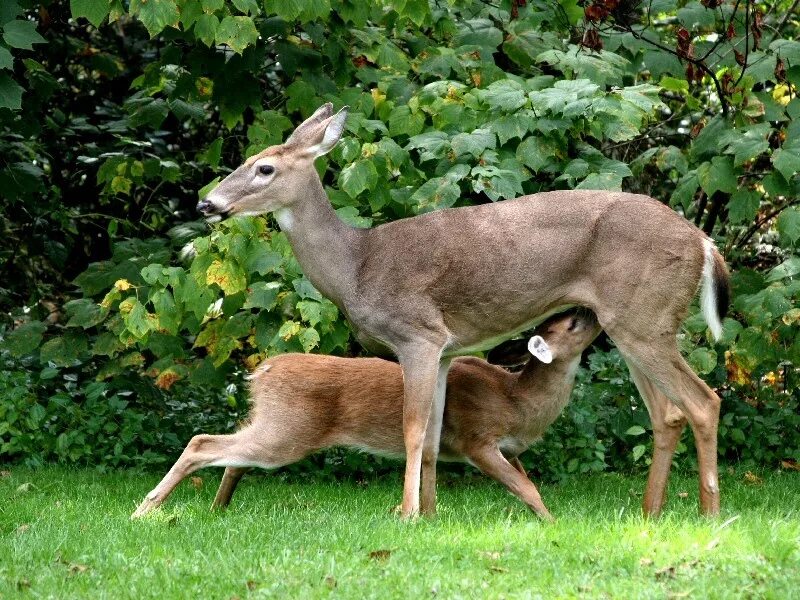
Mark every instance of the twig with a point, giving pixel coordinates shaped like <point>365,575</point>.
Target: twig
<point>762,221</point>
<point>701,208</point>
<point>696,62</point>
<point>746,40</point>
<point>718,200</point>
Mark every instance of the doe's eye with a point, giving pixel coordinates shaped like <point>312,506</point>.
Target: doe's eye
<point>266,169</point>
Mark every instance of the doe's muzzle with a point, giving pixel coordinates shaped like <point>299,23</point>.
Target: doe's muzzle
<point>205,207</point>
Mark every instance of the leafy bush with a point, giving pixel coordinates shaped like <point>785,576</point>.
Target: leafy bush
<point>132,109</point>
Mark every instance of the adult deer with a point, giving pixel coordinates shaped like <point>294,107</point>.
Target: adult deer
<point>302,403</point>
<point>455,281</point>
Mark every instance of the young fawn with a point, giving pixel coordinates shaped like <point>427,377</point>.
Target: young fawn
<point>302,403</point>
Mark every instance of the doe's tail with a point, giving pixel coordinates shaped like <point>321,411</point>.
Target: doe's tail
<point>715,295</point>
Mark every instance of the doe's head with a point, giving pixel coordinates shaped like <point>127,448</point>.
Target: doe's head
<point>564,336</point>
<point>276,177</point>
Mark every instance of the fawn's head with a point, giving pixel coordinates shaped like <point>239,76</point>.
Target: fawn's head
<point>278,176</point>
<point>564,336</point>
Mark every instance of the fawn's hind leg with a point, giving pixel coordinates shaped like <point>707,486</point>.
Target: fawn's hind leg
<point>231,479</point>
<point>235,450</point>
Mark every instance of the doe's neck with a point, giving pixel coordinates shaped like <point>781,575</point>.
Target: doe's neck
<point>326,247</point>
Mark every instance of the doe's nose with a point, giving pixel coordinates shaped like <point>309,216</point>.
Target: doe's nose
<point>204,206</point>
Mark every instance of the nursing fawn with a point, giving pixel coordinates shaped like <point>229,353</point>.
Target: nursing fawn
<point>302,403</point>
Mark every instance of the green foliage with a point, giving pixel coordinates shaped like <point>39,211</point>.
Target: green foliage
<point>115,117</point>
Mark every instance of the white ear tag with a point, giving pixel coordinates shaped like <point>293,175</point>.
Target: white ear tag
<point>539,348</point>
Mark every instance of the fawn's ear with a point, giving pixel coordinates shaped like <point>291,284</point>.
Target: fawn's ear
<point>539,348</point>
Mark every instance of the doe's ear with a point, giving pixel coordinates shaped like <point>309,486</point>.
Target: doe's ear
<point>310,125</point>
<point>334,127</point>
<point>539,348</point>
<point>318,134</point>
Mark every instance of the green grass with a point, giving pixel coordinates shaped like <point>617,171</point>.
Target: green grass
<point>67,535</point>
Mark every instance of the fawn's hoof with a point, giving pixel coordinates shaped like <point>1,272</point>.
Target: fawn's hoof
<point>148,504</point>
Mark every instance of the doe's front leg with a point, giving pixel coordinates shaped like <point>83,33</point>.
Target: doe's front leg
<point>433,436</point>
<point>420,378</point>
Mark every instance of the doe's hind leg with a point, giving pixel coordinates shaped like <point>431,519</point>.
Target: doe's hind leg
<point>660,362</point>
<point>668,425</point>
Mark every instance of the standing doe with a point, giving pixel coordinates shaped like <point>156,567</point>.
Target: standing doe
<point>454,281</point>
<point>302,403</point>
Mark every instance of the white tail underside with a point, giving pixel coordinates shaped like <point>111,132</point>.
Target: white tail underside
<point>708,295</point>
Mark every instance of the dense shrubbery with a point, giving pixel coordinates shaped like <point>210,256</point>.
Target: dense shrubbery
<point>110,130</point>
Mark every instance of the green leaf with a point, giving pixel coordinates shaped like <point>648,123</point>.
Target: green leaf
<point>431,145</point>
<point>743,206</point>
<point>155,15</point>
<point>638,452</point>
<point>95,11</point>
<point>351,216</point>
<point>10,93</point>
<point>246,6</point>
<point>211,6</point>
<point>65,350</point>
<point>787,159</point>
<point>306,290</point>
<point>474,143</point>
<point>84,313</point>
<point>262,261</point>
<point>357,177</point>
<point>506,95</point>
<point>310,311</point>
<point>302,97</point>
<point>437,192</point>
<point>6,59</point>
<point>404,122</point>
<point>309,339</point>
<point>262,294</point>
<point>24,339</point>
<point>227,275</point>
<point>137,319</point>
<point>22,34</point>
<point>237,32</point>
<point>288,10</point>
<point>703,360</point>
<point>789,224</point>
<point>694,15</point>
<point>169,317</point>
<point>509,126</point>
<point>749,144</point>
<point>416,10</point>
<point>536,152</point>
<point>718,175</point>
<point>496,183</point>
<point>479,32</point>
<point>601,181</point>
<point>635,430</point>
<point>205,28</point>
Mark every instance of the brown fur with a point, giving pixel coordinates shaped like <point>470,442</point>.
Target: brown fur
<point>302,403</point>
<point>431,287</point>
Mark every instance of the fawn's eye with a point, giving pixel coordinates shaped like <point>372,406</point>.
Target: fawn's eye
<point>573,323</point>
<point>266,170</point>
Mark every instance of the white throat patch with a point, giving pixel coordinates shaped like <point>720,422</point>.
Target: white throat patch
<point>285,219</point>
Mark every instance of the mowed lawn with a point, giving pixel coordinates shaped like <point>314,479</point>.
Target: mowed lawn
<point>66,533</point>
